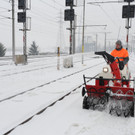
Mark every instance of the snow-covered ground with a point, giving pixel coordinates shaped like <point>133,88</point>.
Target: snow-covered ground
<point>66,117</point>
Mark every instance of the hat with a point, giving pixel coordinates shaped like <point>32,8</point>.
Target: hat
<point>119,42</point>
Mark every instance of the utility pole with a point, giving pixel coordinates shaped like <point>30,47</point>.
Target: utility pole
<point>96,42</point>
<point>60,41</point>
<point>13,30</point>
<point>83,30</point>
<point>71,36</point>
<point>25,36</point>
<point>22,18</point>
<point>74,36</point>
<point>60,30</point>
<point>58,60</point>
<point>96,34</point>
<point>105,41</point>
<point>84,27</point>
<point>69,16</point>
<point>128,12</point>
<point>127,37</point>
<point>133,43</point>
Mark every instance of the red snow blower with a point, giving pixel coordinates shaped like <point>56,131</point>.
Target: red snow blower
<point>112,89</point>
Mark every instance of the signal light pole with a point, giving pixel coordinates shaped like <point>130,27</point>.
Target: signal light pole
<point>13,30</point>
<point>22,18</point>
<point>71,46</point>
<point>24,37</point>
<point>128,12</point>
<point>83,30</point>
<point>69,16</point>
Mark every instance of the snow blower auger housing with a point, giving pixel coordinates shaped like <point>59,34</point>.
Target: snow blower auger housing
<point>112,89</point>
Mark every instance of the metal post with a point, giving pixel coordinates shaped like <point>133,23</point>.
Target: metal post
<point>71,46</point>
<point>13,30</point>
<point>74,35</point>
<point>24,42</point>
<point>105,41</point>
<point>127,32</point>
<point>134,84</point>
<point>58,61</point>
<point>133,42</point>
<point>96,42</point>
<point>83,30</point>
<point>127,29</point>
<point>25,37</point>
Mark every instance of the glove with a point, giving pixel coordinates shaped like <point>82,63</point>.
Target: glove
<point>121,65</point>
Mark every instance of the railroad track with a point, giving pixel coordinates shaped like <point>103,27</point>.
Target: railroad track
<point>39,68</point>
<point>5,61</point>
<point>45,107</point>
<point>36,58</point>
<point>6,131</point>
<point>39,86</point>
<point>30,70</point>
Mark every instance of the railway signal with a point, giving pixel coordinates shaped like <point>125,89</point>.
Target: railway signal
<point>69,15</point>
<point>69,2</point>
<point>21,4</point>
<point>21,17</point>
<point>128,11</point>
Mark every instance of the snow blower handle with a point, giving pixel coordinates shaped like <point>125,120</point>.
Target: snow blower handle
<point>108,58</point>
<point>121,64</point>
<point>111,61</point>
<point>134,84</point>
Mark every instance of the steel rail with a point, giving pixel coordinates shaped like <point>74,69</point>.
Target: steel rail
<point>44,108</point>
<point>39,86</point>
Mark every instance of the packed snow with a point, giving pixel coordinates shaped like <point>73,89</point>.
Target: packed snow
<point>66,117</point>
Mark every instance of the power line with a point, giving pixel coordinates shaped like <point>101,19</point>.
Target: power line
<point>7,24</point>
<point>103,2</point>
<point>48,4</point>
<point>57,3</point>
<point>6,1</point>
<point>108,15</point>
<point>5,8</point>
<point>43,15</point>
<point>43,19</point>
<point>5,17</point>
<point>4,11</point>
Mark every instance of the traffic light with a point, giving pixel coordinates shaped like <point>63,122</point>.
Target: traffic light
<point>128,0</point>
<point>21,17</point>
<point>128,11</point>
<point>21,4</point>
<point>69,15</point>
<point>69,2</point>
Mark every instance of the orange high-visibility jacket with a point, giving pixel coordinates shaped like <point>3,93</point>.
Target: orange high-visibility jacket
<point>121,54</point>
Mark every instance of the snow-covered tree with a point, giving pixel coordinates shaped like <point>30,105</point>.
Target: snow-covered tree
<point>33,50</point>
<point>2,50</point>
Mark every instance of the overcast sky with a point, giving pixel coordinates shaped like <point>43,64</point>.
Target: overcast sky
<point>45,23</point>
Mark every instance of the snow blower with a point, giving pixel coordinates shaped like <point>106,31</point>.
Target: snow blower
<point>112,89</point>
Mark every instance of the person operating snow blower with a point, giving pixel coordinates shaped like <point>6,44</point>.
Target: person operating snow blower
<point>120,53</point>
